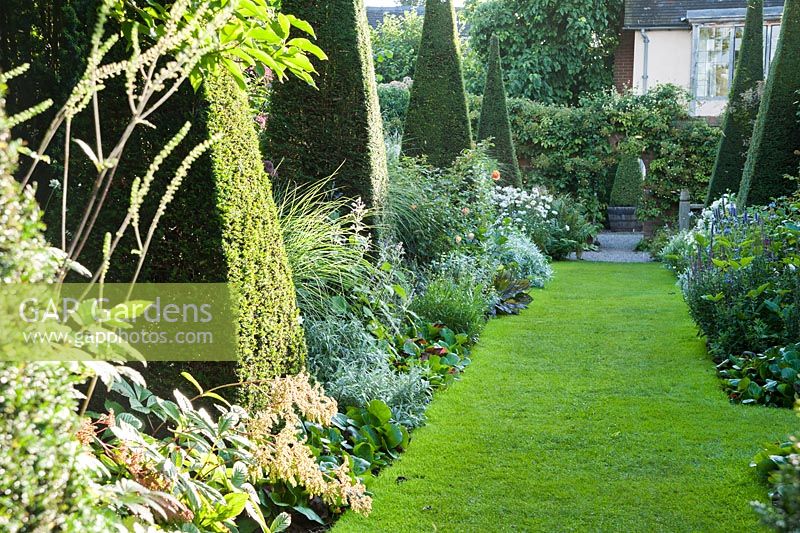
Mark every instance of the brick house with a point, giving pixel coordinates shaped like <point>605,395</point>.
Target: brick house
<point>690,43</point>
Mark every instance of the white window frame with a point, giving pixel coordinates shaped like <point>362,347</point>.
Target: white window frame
<point>769,53</point>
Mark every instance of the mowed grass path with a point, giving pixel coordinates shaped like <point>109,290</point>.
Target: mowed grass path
<point>596,410</point>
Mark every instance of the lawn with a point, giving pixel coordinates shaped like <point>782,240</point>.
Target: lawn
<point>595,410</point>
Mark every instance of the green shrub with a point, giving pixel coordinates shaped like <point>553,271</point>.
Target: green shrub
<point>24,253</point>
<point>627,190</point>
<point>476,267</point>
<point>742,287</point>
<point>336,127</point>
<point>437,124</point>
<point>572,230</point>
<point>221,226</point>
<point>48,479</point>
<point>432,211</point>
<point>395,45</point>
<point>394,99</point>
<point>458,304</point>
<point>742,108</point>
<point>783,513</point>
<point>779,465</point>
<point>494,121</point>
<point>774,147</point>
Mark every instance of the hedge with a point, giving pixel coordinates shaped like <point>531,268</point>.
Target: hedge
<point>315,132</point>
<point>494,122</point>
<point>627,189</point>
<point>437,124</point>
<point>742,108</point>
<point>776,138</point>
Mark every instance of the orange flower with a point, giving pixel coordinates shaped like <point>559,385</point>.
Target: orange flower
<point>496,175</point>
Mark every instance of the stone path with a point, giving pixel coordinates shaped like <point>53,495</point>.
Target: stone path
<point>617,248</point>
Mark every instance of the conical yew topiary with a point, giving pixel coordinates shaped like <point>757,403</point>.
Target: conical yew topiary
<point>437,123</point>
<point>774,148</point>
<point>494,122</point>
<point>313,133</point>
<point>627,189</point>
<point>742,107</point>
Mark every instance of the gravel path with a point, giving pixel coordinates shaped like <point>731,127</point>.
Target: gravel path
<point>616,248</point>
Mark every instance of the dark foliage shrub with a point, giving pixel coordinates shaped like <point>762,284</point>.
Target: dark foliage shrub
<point>221,226</point>
<point>312,131</point>
<point>627,189</point>
<point>783,514</point>
<point>571,231</point>
<point>774,147</point>
<point>547,55</point>
<point>742,108</point>
<point>779,465</point>
<point>494,123</point>
<point>724,305</point>
<point>437,124</point>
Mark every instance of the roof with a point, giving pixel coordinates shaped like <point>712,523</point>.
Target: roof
<point>375,14</point>
<point>641,14</point>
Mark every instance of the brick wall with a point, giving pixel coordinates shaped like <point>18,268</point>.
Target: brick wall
<point>623,61</point>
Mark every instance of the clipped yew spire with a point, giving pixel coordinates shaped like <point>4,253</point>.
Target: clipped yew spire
<point>494,122</point>
<point>437,123</point>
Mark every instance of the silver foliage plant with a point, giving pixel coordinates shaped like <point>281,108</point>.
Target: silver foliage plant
<point>354,369</point>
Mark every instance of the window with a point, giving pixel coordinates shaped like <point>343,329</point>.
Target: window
<point>771,34</point>
<point>714,60</point>
<point>716,49</point>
